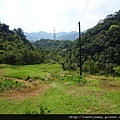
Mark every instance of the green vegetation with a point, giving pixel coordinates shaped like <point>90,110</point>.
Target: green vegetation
<point>9,84</point>
<point>67,93</point>
<point>117,70</point>
<point>40,71</point>
<point>16,49</point>
<point>100,48</point>
<point>73,79</point>
<point>43,77</point>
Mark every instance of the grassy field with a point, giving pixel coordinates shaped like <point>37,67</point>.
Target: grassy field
<point>47,89</point>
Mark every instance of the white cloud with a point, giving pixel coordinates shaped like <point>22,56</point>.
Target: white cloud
<point>44,15</point>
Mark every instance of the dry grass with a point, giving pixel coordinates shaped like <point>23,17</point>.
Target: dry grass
<point>29,89</point>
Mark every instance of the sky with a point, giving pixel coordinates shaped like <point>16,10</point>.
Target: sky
<point>63,15</point>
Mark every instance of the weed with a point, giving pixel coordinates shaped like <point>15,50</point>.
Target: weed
<point>74,78</point>
<point>42,110</point>
<point>9,84</point>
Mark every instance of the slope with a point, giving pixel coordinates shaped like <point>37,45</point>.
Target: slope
<point>100,46</point>
<point>15,48</point>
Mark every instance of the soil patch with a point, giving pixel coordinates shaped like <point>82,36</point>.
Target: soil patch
<point>108,87</point>
<point>1,72</point>
<point>29,91</point>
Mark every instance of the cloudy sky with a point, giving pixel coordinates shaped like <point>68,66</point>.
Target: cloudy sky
<point>63,15</point>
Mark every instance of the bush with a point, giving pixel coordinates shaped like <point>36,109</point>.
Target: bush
<point>42,110</point>
<point>9,84</point>
<point>75,78</point>
<point>66,66</point>
<point>117,70</point>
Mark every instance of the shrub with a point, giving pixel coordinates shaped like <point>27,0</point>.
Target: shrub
<point>9,84</point>
<point>75,78</point>
<point>42,110</point>
<point>117,70</point>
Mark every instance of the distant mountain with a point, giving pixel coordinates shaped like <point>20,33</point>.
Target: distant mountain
<point>45,35</point>
<point>37,36</point>
<point>68,36</point>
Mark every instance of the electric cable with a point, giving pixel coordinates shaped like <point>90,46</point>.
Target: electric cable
<point>81,16</point>
<point>85,8</point>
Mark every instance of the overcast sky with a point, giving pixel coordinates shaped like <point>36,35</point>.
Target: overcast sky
<point>63,15</point>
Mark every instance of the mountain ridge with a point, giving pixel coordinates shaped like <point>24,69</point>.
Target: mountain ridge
<point>34,36</point>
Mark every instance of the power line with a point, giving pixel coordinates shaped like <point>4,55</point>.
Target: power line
<point>82,14</point>
<point>85,8</point>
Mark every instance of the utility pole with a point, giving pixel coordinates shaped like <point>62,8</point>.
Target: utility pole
<point>80,61</point>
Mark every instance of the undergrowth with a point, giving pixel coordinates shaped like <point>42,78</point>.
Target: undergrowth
<point>8,84</point>
<point>41,110</point>
<point>74,78</point>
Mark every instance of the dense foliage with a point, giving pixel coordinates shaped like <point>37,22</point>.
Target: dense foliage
<point>101,46</point>
<point>56,50</point>
<point>16,49</point>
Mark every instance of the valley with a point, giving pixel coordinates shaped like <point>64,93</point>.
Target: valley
<point>42,76</point>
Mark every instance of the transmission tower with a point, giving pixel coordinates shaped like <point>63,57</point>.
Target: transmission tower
<point>54,37</point>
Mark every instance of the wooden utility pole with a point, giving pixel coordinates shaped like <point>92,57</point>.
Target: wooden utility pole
<point>80,61</point>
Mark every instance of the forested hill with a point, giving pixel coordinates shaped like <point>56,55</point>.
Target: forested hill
<point>56,50</point>
<point>101,45</point>
<point>15,48</point>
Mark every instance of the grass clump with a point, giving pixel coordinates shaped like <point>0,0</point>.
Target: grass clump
<point>41,110</point>
<point>74,78</point>
<point>9,84</point>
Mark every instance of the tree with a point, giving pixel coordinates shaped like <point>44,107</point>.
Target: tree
<point>90,66</point>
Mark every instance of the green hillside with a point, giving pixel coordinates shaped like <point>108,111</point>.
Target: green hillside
<point>16,49</point>
<point>100,47</point>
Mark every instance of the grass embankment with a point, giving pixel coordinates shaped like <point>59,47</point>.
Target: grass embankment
<point>30,71</point>
<point>65,93</point>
